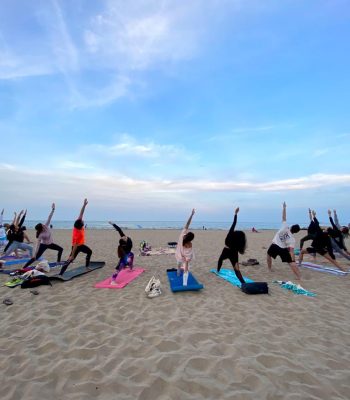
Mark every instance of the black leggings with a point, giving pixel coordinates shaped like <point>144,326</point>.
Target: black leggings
<point>229,254</point>
<point>80,249</point>
<point>41,251</point>
<point>309,236</point>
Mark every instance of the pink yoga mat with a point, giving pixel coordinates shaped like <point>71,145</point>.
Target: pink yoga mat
<point>124,277</point>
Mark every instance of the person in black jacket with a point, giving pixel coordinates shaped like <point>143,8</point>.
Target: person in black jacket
<point>235,243</point>
<point>321,245</point>
<point>337,236</point>
<point>311,230</point>
<point>126,257</point>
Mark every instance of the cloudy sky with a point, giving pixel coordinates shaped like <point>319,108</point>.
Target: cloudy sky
<point>150,108</point>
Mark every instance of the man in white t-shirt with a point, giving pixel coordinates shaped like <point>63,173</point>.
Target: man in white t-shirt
<point>283,244</point>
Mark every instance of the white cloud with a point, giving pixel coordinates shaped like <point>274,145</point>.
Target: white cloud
<point>127,146</point>
<point>140,35</point>
<point>67,164</point>
<point>113,184</point>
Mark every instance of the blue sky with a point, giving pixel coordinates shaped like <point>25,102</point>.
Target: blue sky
<point>150,108</point>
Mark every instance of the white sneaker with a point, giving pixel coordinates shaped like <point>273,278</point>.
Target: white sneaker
<point>154,293</point>
<point>150,284</point>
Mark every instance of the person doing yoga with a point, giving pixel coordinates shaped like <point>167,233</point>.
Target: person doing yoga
<point>16,236</point>
<point>322,245</point>
<point>184,252</point>
<point>235,243</point>
<point>3,237</point>
<point>311,230</point>
<point>283,244</point>
<point>337,235</point>
<point>45,240</point>
<point>78,241</point>
<point>126,257</point>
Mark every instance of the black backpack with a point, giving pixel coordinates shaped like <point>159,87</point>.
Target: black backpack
<point>255,288</point>
<point>35,281</point>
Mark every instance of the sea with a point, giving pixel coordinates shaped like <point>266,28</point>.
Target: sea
<point>207,225</point>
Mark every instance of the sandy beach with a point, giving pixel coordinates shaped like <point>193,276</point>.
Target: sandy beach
<point>73,341</point>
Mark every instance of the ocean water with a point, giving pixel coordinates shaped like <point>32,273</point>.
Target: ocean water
<point>262,225</point>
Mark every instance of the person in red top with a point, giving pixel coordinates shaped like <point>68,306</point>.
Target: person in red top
<point>78,241</point>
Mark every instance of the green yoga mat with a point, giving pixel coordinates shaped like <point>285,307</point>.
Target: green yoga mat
<point>72,273</point>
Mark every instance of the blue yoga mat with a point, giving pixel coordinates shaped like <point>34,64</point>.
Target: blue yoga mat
<point>230,276</point>
<point>14,261</point>
<point>176,282</point>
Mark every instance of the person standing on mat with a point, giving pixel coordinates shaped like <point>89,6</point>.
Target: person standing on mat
<point>337,234</point>
<point>45,240</point>
<point>283,245</point>
<point>184,252</point>
<point>311,230</point>
<point>126,257</point>
<point>322,245</point>
<point>235,243</point>
<point>3,237</point>
<point>16,237</point>
<point>78,241</point>
<point>16,226</point>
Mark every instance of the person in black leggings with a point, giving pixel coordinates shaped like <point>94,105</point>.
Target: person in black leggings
<point>45,240</point>
<point>235,243</point>
<point>14,228</point>
<point>126,257</point>
<point>78,241</point>
<point>311,230</point>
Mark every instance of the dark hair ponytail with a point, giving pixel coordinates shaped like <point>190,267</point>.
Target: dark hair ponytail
<point>188,238</point>
<point>39,228</point>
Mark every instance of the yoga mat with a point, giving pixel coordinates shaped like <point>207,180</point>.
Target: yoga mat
<point>72,273</point>
<point>322,268</point>
<point>176,282</point>
<point>124,277</point>
<point>230,276</point>
<point>13,260</point>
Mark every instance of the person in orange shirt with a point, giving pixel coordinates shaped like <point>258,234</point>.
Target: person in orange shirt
<point>78,241</point>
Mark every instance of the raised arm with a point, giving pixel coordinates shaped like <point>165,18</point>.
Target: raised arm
<point>336,220</point>
<point>21,222</point>
<point>50,215</point>
<point>334,226</point>
<point>116,227</point>
<point>1,217</point>
<point>83,209</point>
<point>284,212</point>
<point>17,219</point>
<point>233,226</point>
<point>310,214</point>
<point>188,223</point>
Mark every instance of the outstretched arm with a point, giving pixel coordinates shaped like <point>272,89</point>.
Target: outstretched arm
<point>336,220</point>
<point>234,222</point>
<point>83,209</point>
<point>116,227</point>
<point>332,222</point>
<point>284,212</point>
<point>18,218</point>
<point>188,223</point>
<point>50,215</point>
<point>1,217</point>
<point>21,222</point>
<point>310,214</point>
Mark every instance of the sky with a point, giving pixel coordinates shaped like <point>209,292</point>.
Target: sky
<point>152,108</point>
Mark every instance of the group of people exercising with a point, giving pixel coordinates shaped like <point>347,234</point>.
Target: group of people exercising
<point>324,242</point>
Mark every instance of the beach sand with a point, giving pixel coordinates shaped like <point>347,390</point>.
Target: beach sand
<point>73,341</point>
